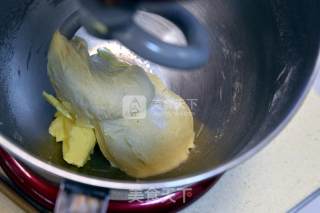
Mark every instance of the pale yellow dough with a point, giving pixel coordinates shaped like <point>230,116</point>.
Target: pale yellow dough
<point>95,87</point>
<point>154,145</point>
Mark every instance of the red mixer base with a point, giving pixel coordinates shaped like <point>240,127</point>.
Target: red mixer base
<point>45,193</point>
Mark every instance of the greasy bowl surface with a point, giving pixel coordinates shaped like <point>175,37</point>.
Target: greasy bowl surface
<point>263,60</point>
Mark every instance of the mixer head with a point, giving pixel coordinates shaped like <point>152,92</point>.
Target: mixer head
<point>114,19</point>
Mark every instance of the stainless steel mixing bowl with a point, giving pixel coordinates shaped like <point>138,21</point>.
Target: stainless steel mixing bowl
<point>263,61</point>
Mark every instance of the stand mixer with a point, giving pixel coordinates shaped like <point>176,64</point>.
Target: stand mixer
<point>116,21</point>
<point>247,64</point>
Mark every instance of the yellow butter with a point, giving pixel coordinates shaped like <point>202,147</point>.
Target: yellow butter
<point>56,129</point>
<point>57,104</point>
<point>77,141</point>
<point>78,146</point>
